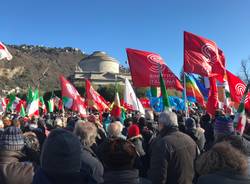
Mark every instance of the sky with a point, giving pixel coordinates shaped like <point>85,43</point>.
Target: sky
<point>113,25</point>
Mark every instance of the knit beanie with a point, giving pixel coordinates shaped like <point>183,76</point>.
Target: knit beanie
<point>12,139</point>
<point>61,153</point>
<point>133,131</point>
<point>223,125</point>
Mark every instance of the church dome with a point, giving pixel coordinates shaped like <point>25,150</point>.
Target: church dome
<point>99,61</point>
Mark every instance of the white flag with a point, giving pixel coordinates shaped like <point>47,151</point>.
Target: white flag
<point>130,98</point>
<point>4,53</point>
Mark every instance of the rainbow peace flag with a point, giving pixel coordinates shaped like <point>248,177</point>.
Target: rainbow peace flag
<point>193,91</point>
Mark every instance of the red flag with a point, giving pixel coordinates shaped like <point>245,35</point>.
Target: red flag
<point>201,56</point>
<point>236,87</point>
<point>145,67</point>
<point>213,101</point>
<point>71,98</point>
<point>94,99</point>
<point>79,106</point>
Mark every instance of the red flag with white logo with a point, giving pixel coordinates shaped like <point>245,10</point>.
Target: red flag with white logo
<point>202,56</point>
<point>236,87</point>
<point>145,68</point>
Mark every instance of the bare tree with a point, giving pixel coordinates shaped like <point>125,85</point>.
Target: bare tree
<point>245,74</point>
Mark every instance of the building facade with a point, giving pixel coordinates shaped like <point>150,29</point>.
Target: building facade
<point>100,69</point>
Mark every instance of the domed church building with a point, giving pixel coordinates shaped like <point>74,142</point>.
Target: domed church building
<point>100,69</point>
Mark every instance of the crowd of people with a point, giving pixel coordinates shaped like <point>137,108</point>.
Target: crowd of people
<point>163,148</point>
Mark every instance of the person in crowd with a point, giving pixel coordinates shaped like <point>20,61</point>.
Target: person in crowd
<point>222,164</point>
<point>7,121</point>
<point>224,131</point>
<point>16,122</point>
<point>135,137</point>
<point>32,148</point>
<point>127,123</point>
<point>173,153</point>
<point>118,157</point>
<point>207,124</point>
<point>12,169</point>
<point>114,130</point>
<point>101,134</point>
<point>58,123</point>
<point>60,159</point>
<point>71,121</point>
<point>196,135</point>
<point>92,168</point>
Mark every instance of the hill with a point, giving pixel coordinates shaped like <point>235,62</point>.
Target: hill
<point>37,66</point>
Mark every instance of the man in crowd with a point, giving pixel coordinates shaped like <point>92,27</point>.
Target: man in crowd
<point>173,153</point>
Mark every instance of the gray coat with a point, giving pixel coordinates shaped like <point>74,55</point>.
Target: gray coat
<point>92,168</point>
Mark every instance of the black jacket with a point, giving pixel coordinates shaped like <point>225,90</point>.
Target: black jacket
<point>223,177</point>
<point>124,177</point>
<point>12,171</point>
<point>91,166</point>
<point>172,158</point>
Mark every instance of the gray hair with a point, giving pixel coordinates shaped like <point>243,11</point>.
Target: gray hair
<point>115,129</point>
<point>168,119</point>
<point>87,132</point>
<point>149,115</point>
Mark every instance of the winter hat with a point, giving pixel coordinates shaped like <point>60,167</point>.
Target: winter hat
<point>223,125</point>
<point>12,139</point>
<point>168,118</point>
<point>133,131</point>
<point>61,153</point>
<point>190,123</point>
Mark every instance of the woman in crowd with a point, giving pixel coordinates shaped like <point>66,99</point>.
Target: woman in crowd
<point>92,168</point>
<point>222,164</point>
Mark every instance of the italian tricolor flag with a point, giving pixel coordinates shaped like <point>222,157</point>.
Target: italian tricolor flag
<point>33,105</point>
<point>240,117</point>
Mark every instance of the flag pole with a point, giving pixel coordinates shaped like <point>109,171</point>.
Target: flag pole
<point>184,79</point>
<point>185,95</point>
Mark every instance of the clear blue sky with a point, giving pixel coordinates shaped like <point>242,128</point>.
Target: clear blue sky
<point>113,25</point>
